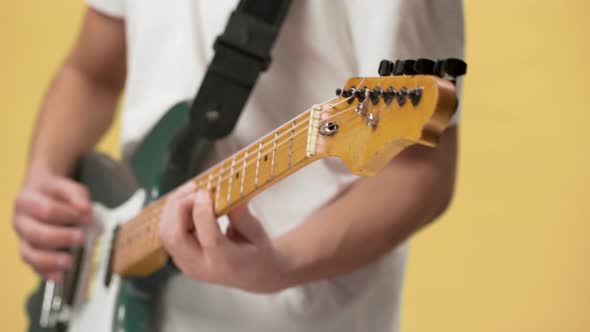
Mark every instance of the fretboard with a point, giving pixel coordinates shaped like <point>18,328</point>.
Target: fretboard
<point>231,182</point>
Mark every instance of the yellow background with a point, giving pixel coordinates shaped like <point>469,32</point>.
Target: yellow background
<point>512,252</point>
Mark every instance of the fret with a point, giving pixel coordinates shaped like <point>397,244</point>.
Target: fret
<point>249,177</point>
<point>274,153</point>
<point>218,189</point>
<point>245,163</point>
<point>223,186</point>
<point>209,178</point>
<point>291,141</point>
<point>257,165</point>
<point>231,179</point>
<point>265,154</point>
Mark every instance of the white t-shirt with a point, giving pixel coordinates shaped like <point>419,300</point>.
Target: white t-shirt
<point>321,44</point>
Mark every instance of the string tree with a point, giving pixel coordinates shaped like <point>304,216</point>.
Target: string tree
<point>372,120</point>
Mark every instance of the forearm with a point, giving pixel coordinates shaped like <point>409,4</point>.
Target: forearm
<point>76,112</point>
<point>81,100</point>
<point>373,216</point>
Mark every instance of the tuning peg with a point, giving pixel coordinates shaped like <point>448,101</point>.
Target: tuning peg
<point>347,93</point>
<point>454,67</point>
<point>375,95</point>
<point>360,94</point>
<point>415,95</point>
<point>389,94</point>
<point>386,68</point>
<point>404,67</point>
<point>424,67</point>
<point>438,68</point>
<point>402,96</point>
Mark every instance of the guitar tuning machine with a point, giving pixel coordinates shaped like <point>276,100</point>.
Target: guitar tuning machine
<point>375,95</point>
<point>415,95</point>
<point>350,94</point>
<point>402,96</point>
<point>361,94</point>
<point>345,93</point>
<point>389,95</point>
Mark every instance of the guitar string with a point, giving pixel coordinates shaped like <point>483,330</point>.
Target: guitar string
<point>136,221</point>
<point>150,214</point>
<point>306,113</point>
<point>252,158</point>
<point>156,210</point>
<point>296,134</point>
<point>200,178</point>
<point>297,126</point>
<point>157,204</point>
<point>280,147</point>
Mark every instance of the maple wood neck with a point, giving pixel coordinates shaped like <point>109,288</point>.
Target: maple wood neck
<point>231,182</point>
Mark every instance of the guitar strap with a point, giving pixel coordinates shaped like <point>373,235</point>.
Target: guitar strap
<point>242,53</point>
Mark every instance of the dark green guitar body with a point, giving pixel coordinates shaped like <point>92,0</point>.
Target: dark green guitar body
<point>111,184</point>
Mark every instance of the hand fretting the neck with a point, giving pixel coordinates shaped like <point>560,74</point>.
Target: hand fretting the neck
<point>231,182</point>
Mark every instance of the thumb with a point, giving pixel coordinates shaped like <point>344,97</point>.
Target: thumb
<point>247,225</point>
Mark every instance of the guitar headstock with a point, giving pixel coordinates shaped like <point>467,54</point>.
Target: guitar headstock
<point>375,118</point>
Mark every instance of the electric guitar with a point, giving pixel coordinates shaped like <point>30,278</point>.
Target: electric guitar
<point>369,121</point>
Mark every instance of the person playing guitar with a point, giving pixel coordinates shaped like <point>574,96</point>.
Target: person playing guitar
<point>323,250</point>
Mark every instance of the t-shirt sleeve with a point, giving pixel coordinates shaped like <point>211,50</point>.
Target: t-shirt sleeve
<point>113,8</point>
<point>406,30</point>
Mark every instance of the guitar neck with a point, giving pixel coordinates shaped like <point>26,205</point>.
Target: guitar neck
<point>372,120</point>
<point>139,252</point>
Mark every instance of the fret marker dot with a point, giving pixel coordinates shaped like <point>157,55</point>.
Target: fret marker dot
<point>265,157</point>
<point>237,175</point>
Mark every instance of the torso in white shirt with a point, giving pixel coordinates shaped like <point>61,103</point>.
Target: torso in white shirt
<point>322,43</point>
